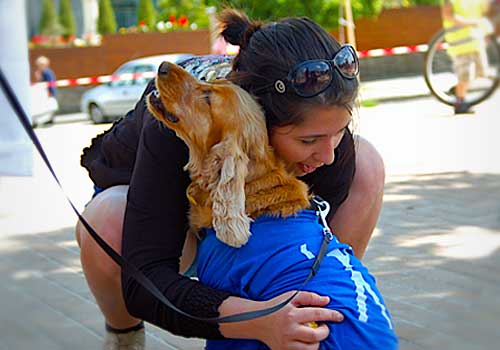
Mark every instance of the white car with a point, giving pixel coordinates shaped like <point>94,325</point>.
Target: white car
<point>43,107</point>
<point>115,98</point>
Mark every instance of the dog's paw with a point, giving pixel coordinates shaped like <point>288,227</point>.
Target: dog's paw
<point>234,237</point>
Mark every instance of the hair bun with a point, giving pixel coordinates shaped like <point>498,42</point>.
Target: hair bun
<point>236,28</point>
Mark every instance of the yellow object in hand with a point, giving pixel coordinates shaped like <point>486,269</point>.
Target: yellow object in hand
<point>312,324</point>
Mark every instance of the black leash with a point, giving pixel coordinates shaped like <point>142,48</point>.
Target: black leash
<point>322,210</point>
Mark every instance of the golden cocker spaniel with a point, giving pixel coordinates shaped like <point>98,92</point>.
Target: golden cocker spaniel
<point>234,172</point>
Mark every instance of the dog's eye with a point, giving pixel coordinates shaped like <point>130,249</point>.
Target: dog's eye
<point>206,96</point>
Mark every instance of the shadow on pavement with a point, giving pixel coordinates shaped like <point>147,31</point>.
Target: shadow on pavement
<point>435,253</point>
<point>45,300</point>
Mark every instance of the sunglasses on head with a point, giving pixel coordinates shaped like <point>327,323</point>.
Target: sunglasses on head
<point>312,77</point>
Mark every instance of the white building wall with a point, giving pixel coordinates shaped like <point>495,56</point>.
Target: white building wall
<point>15,146</point>
<point>90,12</point>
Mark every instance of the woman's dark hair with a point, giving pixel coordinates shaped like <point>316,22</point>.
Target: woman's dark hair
<point>269,51</point>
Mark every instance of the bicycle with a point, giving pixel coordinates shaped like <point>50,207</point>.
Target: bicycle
<point>440,76</point>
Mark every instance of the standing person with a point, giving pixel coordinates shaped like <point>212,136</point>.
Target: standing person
<point>45,74</point>
<point>464,20</point>
<point>141,206</point>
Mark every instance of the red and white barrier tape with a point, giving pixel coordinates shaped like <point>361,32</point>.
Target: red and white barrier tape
<point>101,79</point>
<point>399,50</point>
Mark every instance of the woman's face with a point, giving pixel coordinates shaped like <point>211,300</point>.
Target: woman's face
<point>311,144</point>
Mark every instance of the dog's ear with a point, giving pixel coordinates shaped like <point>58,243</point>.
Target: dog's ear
<point>228,166</point>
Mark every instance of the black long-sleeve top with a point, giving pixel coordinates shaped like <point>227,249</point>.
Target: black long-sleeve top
<point>143,153</point>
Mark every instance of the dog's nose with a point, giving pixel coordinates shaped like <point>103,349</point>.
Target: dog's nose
<point>164,68</point>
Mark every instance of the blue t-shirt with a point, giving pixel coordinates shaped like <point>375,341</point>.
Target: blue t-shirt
<point>278,258</point>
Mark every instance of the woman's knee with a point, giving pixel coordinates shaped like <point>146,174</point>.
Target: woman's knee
<point>105,214</point>
<point>369,177</point>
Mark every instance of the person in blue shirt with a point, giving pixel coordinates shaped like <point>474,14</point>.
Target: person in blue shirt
<point>48,102</point>
<point>43,73</point>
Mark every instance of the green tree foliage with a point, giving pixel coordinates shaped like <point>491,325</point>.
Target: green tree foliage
<point>325,12</point>
<point>106,22</point>
<point>194,10</point>
<point>366,8</point>
<point>67,17</point>
<point>49,24</point>
<point>146,13</point>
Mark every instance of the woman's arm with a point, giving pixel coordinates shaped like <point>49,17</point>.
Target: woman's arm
<point>154,233</point>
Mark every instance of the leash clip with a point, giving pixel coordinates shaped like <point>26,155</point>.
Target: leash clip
<point>322,209</point>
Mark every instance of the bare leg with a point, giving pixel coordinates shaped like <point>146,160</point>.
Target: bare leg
<point>357,217</point>
<point>105,213</point>
<point>461,89</point>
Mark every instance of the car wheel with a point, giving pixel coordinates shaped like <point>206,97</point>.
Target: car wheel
<point>96,114</point>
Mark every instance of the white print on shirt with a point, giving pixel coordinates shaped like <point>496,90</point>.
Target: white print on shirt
<point>361,287</point>
<point>306,252</point>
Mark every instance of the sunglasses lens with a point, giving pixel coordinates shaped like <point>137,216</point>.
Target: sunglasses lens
<point>346,62</point>
<point>311,77</point>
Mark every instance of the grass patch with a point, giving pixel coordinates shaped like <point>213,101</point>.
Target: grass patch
<point>371,102</point>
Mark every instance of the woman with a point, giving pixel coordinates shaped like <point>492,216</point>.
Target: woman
<point>143,215</point>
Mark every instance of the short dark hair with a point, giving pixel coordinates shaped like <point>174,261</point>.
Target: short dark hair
<point>267,53</point>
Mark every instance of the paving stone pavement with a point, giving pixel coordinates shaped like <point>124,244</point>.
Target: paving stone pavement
<point>435,251</point>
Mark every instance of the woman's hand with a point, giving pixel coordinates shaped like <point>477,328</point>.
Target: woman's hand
<point>286,328</point>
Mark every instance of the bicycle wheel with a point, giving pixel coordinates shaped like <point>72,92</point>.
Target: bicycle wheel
<point>441,79</point>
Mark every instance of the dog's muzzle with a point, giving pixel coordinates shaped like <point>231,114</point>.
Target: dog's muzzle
<point>155,100</point>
